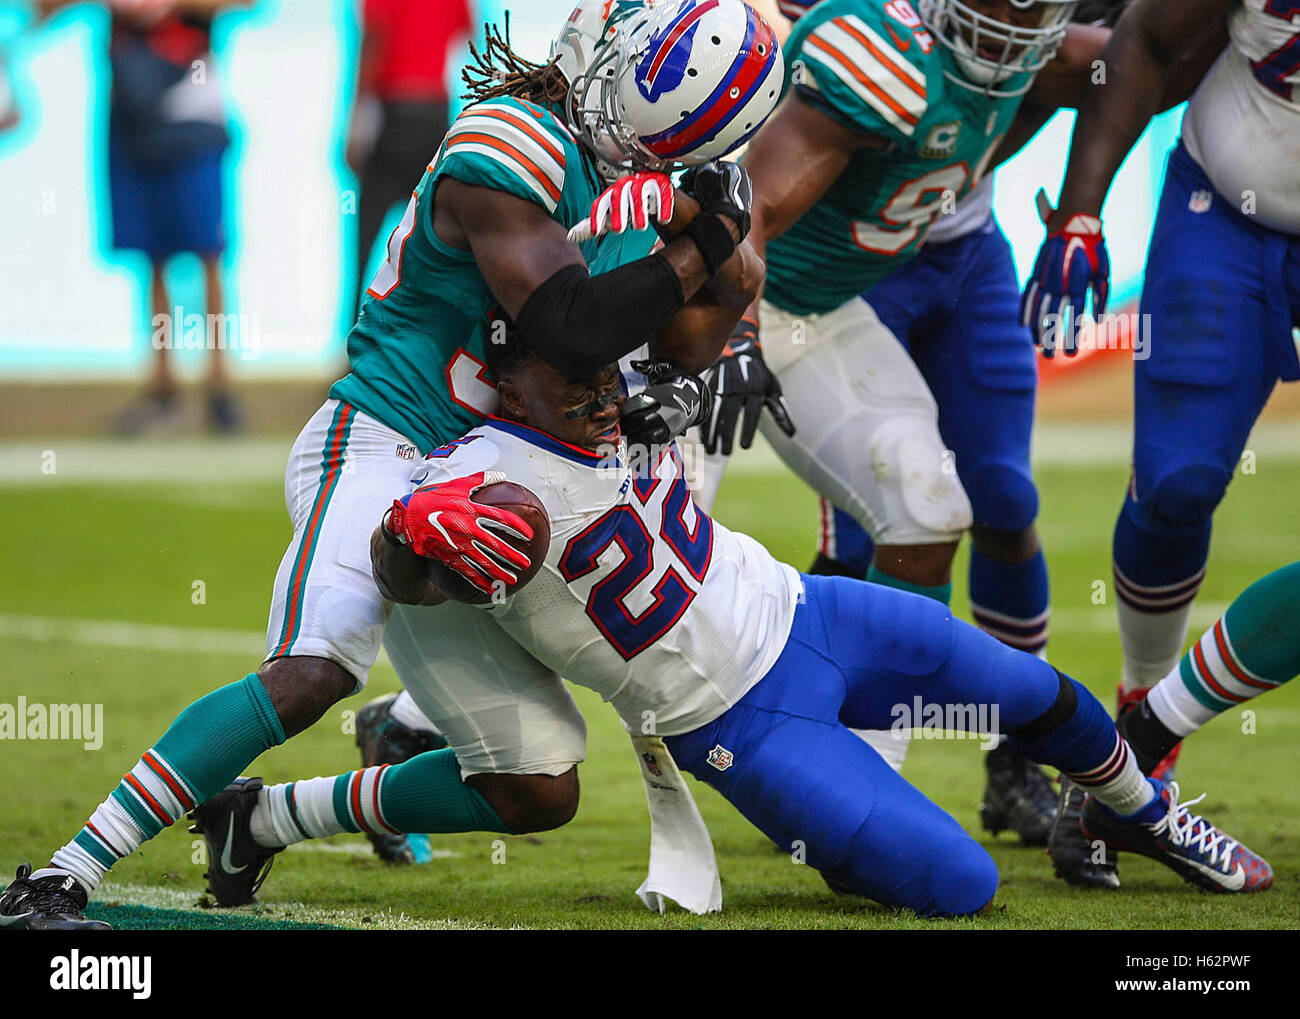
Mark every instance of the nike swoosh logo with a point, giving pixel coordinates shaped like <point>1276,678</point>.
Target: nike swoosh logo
<point>1234,882</point>
<point>902,44</point>
<point>433,519</point>
<point>227,864</point>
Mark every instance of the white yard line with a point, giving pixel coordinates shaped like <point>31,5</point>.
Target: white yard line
<point>247,644</point>
<point>256,461</point>
<point>141,636</point>
<point>86,461</point>
<point>250,644</point>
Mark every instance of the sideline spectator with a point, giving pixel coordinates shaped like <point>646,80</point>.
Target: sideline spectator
<point>166,138</point>
<point>400,113</point>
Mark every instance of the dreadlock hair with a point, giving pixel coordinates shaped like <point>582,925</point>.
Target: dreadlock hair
<point>504,359</point>
<point>497,71</point>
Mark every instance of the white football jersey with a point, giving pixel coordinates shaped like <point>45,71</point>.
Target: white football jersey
<point>665,613</point>
<point>1243,123</point>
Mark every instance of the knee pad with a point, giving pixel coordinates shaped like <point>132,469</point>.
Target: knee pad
<point>923,500</point>
<point>1186,495</point>
<point>1003,496</point>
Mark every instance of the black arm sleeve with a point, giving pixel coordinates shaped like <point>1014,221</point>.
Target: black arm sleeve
<point>581,323</point>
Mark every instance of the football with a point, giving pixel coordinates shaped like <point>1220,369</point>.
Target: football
<point>520,501</point>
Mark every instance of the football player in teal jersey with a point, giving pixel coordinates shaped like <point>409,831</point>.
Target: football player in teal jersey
<point>632,90</point>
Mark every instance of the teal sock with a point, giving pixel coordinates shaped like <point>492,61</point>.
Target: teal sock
<point>425,794</point>
<point>940,592</point>
<point>1253,648</point>
<point>202,751</point>
<point>220,735</point>
<point>1263,625</point>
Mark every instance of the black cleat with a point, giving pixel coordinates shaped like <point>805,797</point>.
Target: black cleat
<point>385,740</point>
<point>50,903</point>
<point>1018,797</point>
<point>1075,858</point>
<point>237,865</point>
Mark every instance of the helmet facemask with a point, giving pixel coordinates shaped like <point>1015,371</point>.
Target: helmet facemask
<point>988,51</point>
<point>596,114</point>
<point>629,76</point>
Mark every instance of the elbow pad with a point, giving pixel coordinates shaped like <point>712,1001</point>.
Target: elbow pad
<point>581,323</point>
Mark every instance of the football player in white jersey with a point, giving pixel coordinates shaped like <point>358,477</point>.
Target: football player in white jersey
<point>1221,293</point>
<point>749,671</point>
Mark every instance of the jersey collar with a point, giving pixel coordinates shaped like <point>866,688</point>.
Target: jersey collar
<point>544,440</point>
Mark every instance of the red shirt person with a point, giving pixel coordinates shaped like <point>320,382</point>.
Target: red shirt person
<point>400,113</point>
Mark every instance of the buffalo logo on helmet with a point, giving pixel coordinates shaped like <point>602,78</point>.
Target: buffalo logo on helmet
<point>664,64</point>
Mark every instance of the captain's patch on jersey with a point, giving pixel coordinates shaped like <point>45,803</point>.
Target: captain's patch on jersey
<point>942,140</point>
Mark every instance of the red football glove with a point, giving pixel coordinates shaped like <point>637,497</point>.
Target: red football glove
<point>633,203</point>
<point>442,522</point>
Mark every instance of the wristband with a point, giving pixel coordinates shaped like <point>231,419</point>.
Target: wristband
<point>713,239</point>
<point>396,540</point>
<point>746,329</point>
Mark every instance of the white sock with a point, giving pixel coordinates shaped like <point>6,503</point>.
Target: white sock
<point>888,743</point>
<point>1118,783</point>
<point>294,811</point>
<point>404,710</point>
<point>1153,643</point>
<point>1178,711</point>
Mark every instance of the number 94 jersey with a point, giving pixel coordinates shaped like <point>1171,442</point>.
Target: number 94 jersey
<point>872,66</point>
<point>643,598</point>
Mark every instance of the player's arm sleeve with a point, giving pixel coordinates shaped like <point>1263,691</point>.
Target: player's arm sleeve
<point>502,145</point>
<point>857,76</point>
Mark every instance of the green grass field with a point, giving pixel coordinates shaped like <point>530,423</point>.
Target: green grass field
<point>100,562</point>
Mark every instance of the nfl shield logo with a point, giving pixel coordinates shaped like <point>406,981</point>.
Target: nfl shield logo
<point>652,765</point>
<point>1200,201</point>
<point>721,758</point>
<point>405,451</point>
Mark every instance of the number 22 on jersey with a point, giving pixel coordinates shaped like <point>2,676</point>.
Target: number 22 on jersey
<point>666,543</point>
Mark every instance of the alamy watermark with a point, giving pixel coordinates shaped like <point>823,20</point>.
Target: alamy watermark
<point>946,721</point>
<point>22,721</point>
<point>1068,332</point>
<point>192,331</point>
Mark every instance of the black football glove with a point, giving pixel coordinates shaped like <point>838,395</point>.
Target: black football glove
<point>671,403</point>
<point>741,382</point>
<point>722,189</point>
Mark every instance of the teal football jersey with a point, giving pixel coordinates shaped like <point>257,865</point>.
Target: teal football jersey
<point>418,348</point>
<point>874,67</point>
